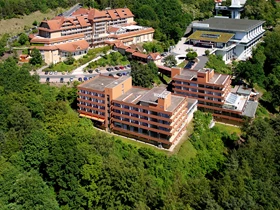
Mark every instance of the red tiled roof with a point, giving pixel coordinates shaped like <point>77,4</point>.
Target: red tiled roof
<point>46,48</point>
<point>124,12</point>
<point>74,46</point>
<point>94,13</point>
<point>123,47</point>
<point>52,40</point>
<point>132,34</point>
<point>141,55</point>
<point>82,21</point>
<point>31,36</point>
<point>130,50</point>
<point>55,24</point>
<point>127,40</point>
<point>112,29</point>
<point>81,11</point>
<point>112,14</point>
<point>154,55</point>
<point>164,68</point>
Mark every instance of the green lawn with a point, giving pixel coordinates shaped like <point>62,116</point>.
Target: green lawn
<point>92,53</point>
<point>61,67</point>
<point>228,128</point>
<point>260,89</point>
<point>262,112</point>
<point>182,64</point>
<point>184,149</point>
<point>112,59</point>
<point>140,144</point>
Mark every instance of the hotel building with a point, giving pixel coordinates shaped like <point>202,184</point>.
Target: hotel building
<point>214,94</point>
<point>61,36</point>
<point>230,38</point>
<point>152,115</point>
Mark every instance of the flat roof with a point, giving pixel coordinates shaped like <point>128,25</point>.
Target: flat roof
<point>175,101</point>
<point>117,81</point>
<point>137,94</point>
<point>211,36</point>
<point>217,79</point>
<point>244,91</point>
<point>229,24</point>
<point>250,109</point>
<point>150,96</point>
<point>98,83</point>
<point>132,95</point>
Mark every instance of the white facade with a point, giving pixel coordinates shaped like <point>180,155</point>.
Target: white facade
<point>241,44</point>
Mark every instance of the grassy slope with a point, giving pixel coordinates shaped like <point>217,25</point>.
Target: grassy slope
<point>228,128</point>
<point>16,25</point>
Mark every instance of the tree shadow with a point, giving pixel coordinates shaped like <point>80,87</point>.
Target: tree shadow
<point>268,106</point>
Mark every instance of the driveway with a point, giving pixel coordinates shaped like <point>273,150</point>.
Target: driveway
<point>80,69</point>
<point>182,46</point>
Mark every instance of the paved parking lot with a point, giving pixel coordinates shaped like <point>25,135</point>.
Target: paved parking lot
<point>182,46</point>
<point>83,76</point>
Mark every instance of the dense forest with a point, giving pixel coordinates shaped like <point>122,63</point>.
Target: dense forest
<point>52,159</point>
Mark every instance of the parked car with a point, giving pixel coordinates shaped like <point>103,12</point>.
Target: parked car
<point>90,78</point>
<point>61,80</point>
<point>90,71</point>
<point>48,79</point>
<point>97,70</point>
<point>46,72</point>
<point>108,69</point>
<point>121,67</point>
<point>51,73</point>
<point>85,78</point>
<point>80,79</point>
<point>71,79</point>
<point>128,66</point>
<point>55,72</point>
<point>117,68</point>
<point>119,74</point>
<point>111,75</point>
<point>123,73</point>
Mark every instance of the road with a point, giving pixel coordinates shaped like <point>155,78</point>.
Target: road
<point>66,78</point>
<point>71,10</point>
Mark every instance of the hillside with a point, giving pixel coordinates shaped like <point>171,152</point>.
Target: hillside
<point>52,159</point>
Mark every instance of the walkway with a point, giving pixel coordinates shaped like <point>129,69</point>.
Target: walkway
<point>80,69</point>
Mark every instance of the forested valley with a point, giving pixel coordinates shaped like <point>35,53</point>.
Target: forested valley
<point>52,159</point>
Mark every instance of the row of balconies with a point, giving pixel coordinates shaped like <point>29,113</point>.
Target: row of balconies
<point>142,123</point>
<point>141,132</point>
<point>98,113</point>
<point>142,110</point>
<point>139,116</point>
<point>92,93</point>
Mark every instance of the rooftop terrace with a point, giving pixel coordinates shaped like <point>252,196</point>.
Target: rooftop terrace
<point>190,75</point>
<point>98,83</point>
<point>136,95</point>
